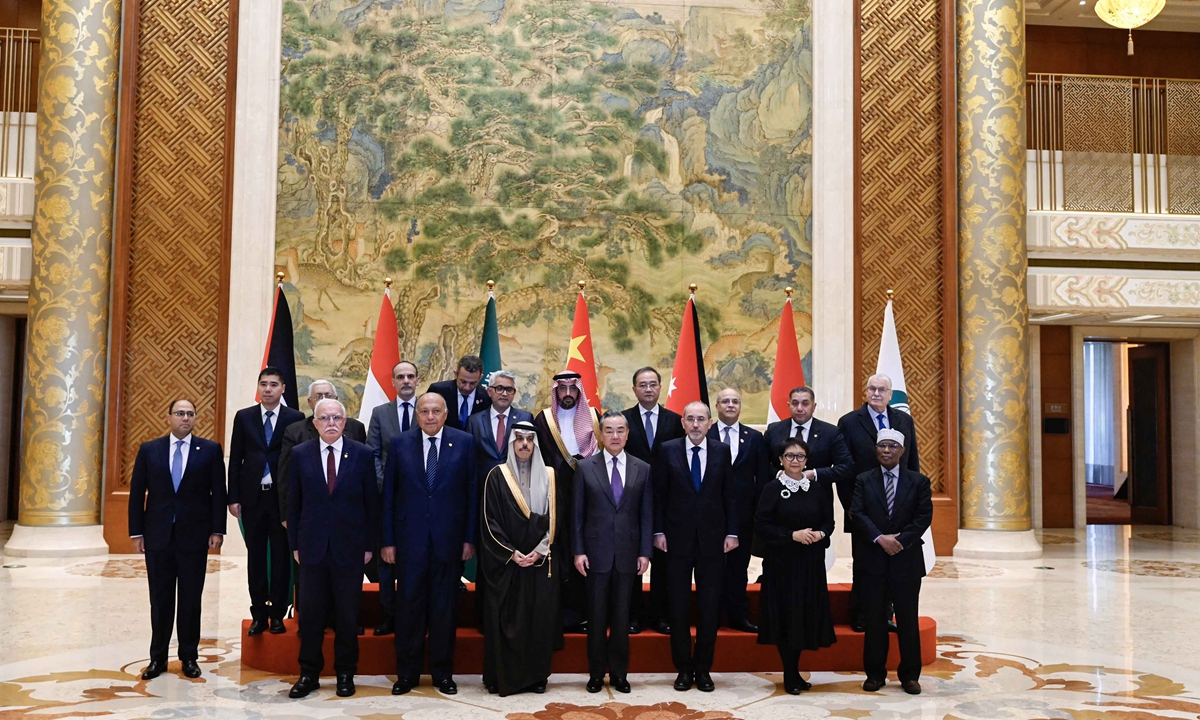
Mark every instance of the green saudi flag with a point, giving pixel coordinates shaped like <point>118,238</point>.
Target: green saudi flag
<point>489,348</point>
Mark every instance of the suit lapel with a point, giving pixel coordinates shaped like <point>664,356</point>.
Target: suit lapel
<point>605,481</point>
<point>344,467</point>
<point>877,486</point>
<point>868,422</point>
<point>903,486</point>
<point>165,446</point>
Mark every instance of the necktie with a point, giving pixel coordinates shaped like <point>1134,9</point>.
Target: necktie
<point>268,431</point>
<point>725,432</point>
<point>500,431</point>
<point>879,418</point>
<point>330,471</point>
<point>696,467</point>
<point>617,486</point>
<point>431,464</point>
<point>649,430</point>
<point>800,433</point>
<point>889,489</point>
<point>464,409</point>
<point>406,422</point>
<point>177,465</point>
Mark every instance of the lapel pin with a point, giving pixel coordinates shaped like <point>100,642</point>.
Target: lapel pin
<point>449,444</point>
<point>345,455</point>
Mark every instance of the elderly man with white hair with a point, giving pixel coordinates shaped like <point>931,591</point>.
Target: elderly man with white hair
<point>297,433</point>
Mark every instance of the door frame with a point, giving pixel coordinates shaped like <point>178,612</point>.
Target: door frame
<point>1161,514</point>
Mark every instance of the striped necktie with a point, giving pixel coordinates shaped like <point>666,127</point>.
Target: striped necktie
<point>889,489</point>
<point>431,461</point>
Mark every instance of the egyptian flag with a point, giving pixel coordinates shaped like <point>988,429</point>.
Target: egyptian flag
<point>688,382</point>
<point>788,371</point>
<point>384,355</point>
<point>580,358</point>
<point>280,352</point>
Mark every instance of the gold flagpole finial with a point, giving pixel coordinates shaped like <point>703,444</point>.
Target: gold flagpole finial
<point>387,282</point>
<point>582,285</point>
<point>693,287</point>
<point>788,290</point>
<point>890,292</point>
<point>279,277</point>
<point>491,284</point>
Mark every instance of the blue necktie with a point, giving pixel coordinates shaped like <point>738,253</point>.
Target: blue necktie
<point>879,418</point>
<point>464,410</point>
<point>406,423</point>
<point>696,467</point>
<point>177,465</point>
<point>431,464</point>
<point>649,430</point>
<point>268,431</point>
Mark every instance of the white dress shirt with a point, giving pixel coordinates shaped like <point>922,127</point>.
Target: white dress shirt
<point>653,417</point>
<point>566,425</point>
<point>688,454</point>
<point>412,412</point>
<point>807,429</point>
<point>619,461</point>
<point>425,446</point>
<point>186,448</point>
<point>337,456</point>
<point>262,411</point>
<point>875,417</point>
<point>495,416</point>
<point>468,399</point>
<point>735,433</point>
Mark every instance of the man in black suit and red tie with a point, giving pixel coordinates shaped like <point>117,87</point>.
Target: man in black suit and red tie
<point>463,396</point>
<point>333,510</point>
<point>254,499</point>
<point>694,523</point>
<point>176,514</point>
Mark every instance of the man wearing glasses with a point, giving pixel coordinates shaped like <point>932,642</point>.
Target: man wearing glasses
<point>176,514</point>
<point>301,432</point>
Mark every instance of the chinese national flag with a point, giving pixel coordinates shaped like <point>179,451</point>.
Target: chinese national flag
<point>788,371</point>
<point>580,358</point>
<point>688,382</point>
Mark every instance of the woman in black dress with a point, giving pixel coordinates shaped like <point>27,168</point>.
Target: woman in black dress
<point>795,520</point>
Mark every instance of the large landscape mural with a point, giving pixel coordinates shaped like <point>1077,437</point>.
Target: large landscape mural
<point>640,146</point>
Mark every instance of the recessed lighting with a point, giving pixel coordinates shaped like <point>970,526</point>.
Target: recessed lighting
<point>1083,2</point>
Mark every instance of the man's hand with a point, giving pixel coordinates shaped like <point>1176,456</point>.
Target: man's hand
<point>235,509</point>
<point>366,557</point>
<point>388,554</point>
<point>139,544</point>
<point>731,543</point>
<point>468,551</point>
<point>215,541</point>
<point>660,542</point>
<point>296,555</point>
<point>810,474</point>
<point>535,557</point>
<point>283,523</point>
<point>581,564</point>
<point>806,536</point>
<point>643,565</point>
<point>890,544</point>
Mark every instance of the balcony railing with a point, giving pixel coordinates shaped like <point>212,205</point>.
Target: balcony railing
<point>1113,144</point>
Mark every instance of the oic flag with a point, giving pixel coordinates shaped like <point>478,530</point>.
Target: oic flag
<point>385,353</point>
<point>688,382</point>
<point>789,373</point>
<point>280,351</point>
<point>889,364</point>
<point>489,347</point>
<point>580,358</point>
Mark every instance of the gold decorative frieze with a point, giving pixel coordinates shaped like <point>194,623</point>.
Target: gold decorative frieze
<point>1126,293</point>
<point>1129,237</point>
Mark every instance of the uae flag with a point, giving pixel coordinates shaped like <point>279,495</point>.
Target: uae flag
<point>789,373</point>
<point>385,353</point>
<point>688,382</point>
<point>280,352</point>
<point>489,347</point>
<point>580,358</point>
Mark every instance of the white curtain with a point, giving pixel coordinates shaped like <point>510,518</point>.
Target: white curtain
<point>1100,425</point>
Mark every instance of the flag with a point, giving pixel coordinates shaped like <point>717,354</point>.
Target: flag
<point>385,353</point>
<point>789,373</point>
<point>688,382</point>
<point>280,351</point>
<point>889,364</point>
<point>489,347</point>
<point>580,358</point>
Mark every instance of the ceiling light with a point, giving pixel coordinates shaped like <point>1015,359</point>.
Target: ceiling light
<point>1128,14</point>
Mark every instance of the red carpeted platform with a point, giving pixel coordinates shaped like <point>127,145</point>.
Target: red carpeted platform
<point>649,652</point>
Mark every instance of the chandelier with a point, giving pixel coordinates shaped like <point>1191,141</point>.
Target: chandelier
<point>1128,14</point>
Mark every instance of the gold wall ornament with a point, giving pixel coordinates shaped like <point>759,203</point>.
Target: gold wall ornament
<point>993,321</point>
<point>68,293</point>
<point>1128,14</point>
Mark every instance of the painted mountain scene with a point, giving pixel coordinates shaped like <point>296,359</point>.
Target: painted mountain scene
<point>637,146</point>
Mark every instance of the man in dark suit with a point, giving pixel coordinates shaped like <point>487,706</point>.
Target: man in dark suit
<point>388,421</point>
<point>828,459</point>
<point>694,521</point>
<point>650,425</point>
<point>254,498</point>
<point>332,515</point>
<point>859,429</point>
<point>892,508</point>
<point>430,522</point>
<point>300,432</point>
<point>614,521</point>
<point>462,394</point>
<point>176,514</point>
<point>751,473</point>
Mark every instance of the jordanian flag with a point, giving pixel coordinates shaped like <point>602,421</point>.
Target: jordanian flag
<point>489,348</point>
<point>688,381</point>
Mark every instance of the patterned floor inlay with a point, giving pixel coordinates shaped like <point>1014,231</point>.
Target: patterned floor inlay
<point>951,569</point>
<point>133,568</point>
<point>1169,535</point>
<point>1151,568</point>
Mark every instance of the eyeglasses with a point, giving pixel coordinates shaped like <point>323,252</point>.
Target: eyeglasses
<point>887,445</point>
<point>794,457</point>
<point>331,418</point>
<point>324,396</point>
<point>184,414</point>
<point>504,389</point>
<point>648,385</point>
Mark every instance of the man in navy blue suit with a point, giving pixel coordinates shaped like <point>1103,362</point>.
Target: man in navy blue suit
<point>462,393</point>
<point>254,499</point>
<point>332,514</point>
<point>430,522</point>
<point>176,514</point>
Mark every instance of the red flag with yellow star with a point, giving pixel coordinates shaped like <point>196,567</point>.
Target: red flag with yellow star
<point>580,358</point>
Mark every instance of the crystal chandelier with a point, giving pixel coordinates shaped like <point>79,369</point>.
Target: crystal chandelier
<point>1128,14</point>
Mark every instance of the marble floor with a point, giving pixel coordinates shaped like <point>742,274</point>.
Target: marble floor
<point>1106,625</point>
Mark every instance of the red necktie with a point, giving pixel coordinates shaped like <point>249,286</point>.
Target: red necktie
<point>500,431</point>
<point>331,471</point>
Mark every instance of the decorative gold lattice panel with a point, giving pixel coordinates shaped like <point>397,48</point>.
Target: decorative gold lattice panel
<point>1097,117</point>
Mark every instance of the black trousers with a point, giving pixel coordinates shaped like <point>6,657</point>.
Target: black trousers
<point>427,599</point>
<point>266,535</point>
<point>791,663</point>
<point>329,591</point>
<point>733,594</point>
<point>654,610</point>
<point>903,594</point>
<point>175,575</point>
<point>708,571</point>
<point>608,602</point>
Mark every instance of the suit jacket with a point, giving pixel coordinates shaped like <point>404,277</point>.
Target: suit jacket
<point>669,427</point>
<point>342,523</point>
<point>301,432</point>
<point>859,430</point>
<point>416,520</point>
<point>385,425</point>
<point>486,454</point>
<point>751,473</point>
<point>695,524</point>
<point>912,512</point>
<point>449,392</point>
<point>249,451</point>
<point>196,511</point>
<point>613,534</point>
<point>827,452</point>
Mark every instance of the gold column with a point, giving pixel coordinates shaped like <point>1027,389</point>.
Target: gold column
<point>993,326</point>
<point>68,295</point>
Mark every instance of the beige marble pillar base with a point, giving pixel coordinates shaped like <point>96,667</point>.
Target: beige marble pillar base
<point>50,541</point>
<point>997,545</point>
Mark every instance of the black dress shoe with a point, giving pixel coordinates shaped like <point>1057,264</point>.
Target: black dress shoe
<point>579,628</point>
<point>387,627</point>
<point>621,685</point>
<point>277,627</point>
<point>635,627</point>
<point>257,627</point>
<point>704,682</point>
<point>401,687</point>
<point>492,689</point>
<point>858,627</point>
<point>447,686</point>
<point>683,681</point>
<point>538,688</point>
<point>912,687</point>
<point>345,685</point>
<point>804,684</point>
<point>191,669</point>
<point>872,685</point>
<point>661,627</point>
<point>595,685</point>
<point>791,687</point>
<point>744,625</point>
<point>304,687</point>
<point>153,670</point>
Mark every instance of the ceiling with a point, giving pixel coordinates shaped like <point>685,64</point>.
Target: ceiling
<point>1177,16</point>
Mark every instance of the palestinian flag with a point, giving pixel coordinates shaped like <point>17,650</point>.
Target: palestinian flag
<point>280,352</point>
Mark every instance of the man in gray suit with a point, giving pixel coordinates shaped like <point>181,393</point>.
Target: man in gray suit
<point>388,421</point>
<point>613,532</point>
